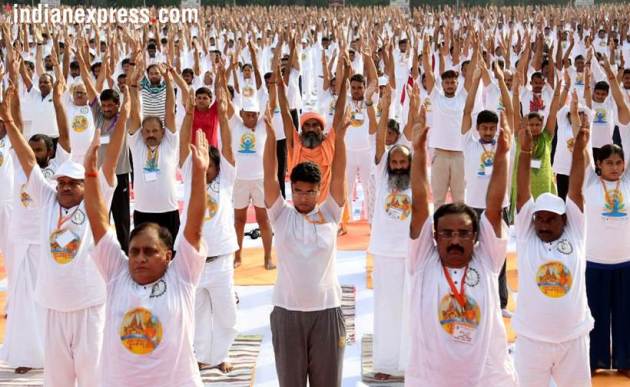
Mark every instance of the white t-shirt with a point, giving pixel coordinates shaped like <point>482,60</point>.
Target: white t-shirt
<point>392,214</point>
<point>536,103</point>
<point>608,225</point>
<point>478,165</point>
<point>446,118</point>
<point>564,151</point>
<point>326,102</point>
<point>40,113</point>
<point>148,337</point>
<point>6,171</point>
<point>81,129</point>
<point>26,215</point>
<point>155,178</point>
<point>357,135</point>
<point>248,146</point>
<point>306,245</point>
<point>440,354</point>
<point>219,234</point>
<point>276,120</point>
<point>67,279</point>
<point>604,118</point>
<point>552,305</point>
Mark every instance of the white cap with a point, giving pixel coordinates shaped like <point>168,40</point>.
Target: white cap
<point>550,202</point>
<point>250,105</point>
<point>70,169</point>
<point>383,81</point>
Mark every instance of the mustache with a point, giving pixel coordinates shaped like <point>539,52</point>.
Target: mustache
<point>454,248</point>
<point>311,139</point>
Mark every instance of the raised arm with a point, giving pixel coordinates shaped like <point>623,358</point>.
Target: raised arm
<point>523,190</point>
<point>499,180</point>
<point>185,132</point>
<point>558,99</point>
<point>226,134</point>
<point>429,78</point>
<point>580,155</point>
<point>419,181</point>
<point>169,114</point>
<point>382,124</point>
<point>623,112</point>
<point>270,163</point>
<point>116,140</point>
<point>340,105</point>
<point>338,169</point>
<point>470,100</point>
<point>60,114</point>
<point>198,200</point>
<point>87,79</point>
<point>24,153</point>
<point>95,208</point>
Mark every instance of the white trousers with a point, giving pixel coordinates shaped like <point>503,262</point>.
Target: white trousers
<point>5,226</point>
<point>73,344</point>
<point>215,312</point>
<point>24,335</point>
<point>358,164</point>
<point>389,285</point>
<point>537,362</point>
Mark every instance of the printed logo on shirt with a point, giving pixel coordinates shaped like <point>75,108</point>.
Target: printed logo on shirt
<point>140,331</point>
<point>451,313</point>
<point>472,277</point>
<point>601,116</point>
<point>427,105</point>
<point>331,107</point>
<point>486,162</point>
<point>78,218</point>
<point>248,92</point>
<point>64,245</point>
<point>48,173</point>
<point>247,143</point>
<point>614,206</point>
<point>1,158</point>
<point>356,119</point>
<point>213,207</point>
<point>579,79</point>
<point>158,289</point>
<point>398,205</point>
<point>80,123</point>
<point>536,104</point>
<point>554,279</point>
<point>570,144</point>
<point>565,247</point>
<point>25,198</point>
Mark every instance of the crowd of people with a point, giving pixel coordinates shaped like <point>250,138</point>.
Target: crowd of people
<point>455,123</point>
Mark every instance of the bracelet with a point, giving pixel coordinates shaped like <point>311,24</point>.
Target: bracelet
<point>369,104</point>
<point>91,174</point>
<point>529,152</point>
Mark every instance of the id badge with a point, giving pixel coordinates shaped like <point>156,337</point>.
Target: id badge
<point>105,139</point>
<point>64,238</point>
<point>536,164</point>
<point>150,176</point>
<point>358,116</point>
<point>395,213</point>
<point>463,333</point>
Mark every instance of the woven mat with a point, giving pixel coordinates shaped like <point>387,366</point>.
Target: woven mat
<point>348,307</point>
<point>243,355</point>
<point>367,373</point>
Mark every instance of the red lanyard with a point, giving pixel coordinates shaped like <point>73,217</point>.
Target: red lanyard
<point>459,296</point>
<point>61,220</point>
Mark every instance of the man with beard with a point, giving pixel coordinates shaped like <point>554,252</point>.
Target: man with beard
<point>454,264</point>
<point>311,144</point>
<point>24,337</point>
<point>392,211</point>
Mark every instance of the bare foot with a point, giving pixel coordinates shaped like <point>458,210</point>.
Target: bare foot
<point>625,372</point>
<point>382,376</point>
<point>269,265</point>
<point>237,263</point>
<point>225,367</point>
<point>203,366</point>
<point>22,370</point>
<point>342,230</point>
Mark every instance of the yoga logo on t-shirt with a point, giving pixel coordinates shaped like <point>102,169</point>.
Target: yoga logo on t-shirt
<point>451,313</point>
<point>79,123</point>
<point>356,119</point>
<point>64,245</point>
<point>600,116</point>
<point>140,331</point>
<point>398,205</point>
<point>613,204</point>
<point>247,143</point>
<point>213,207</point>
<point>486,162</point>
<point>571,144</point>
<point>25,198</point>
<point>554,279</point>
<point>1,158</point>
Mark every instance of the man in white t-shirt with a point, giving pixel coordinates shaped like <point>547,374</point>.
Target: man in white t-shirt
<point>154,149</point>
<point>392,210</point>
<point>68,285</point>
<point>454,263</point>
<point>553,319</point>
<point>307,324</point>
<point>150,297</point>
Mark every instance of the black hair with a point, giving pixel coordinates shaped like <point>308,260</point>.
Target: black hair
<point>535,115</point>
<point>307,172</point>
<point>393,125</point>
<point>358,78</point>
<point>456,209</point>
<point>152,118</point>
<point>609,150</point>
<point>110,95</point>
<point>231,91</point>
<point>487,117</point>
<point>121,75</point>
<point>163,233</point>
<point>203,90</point>
<point>579,57</point>
<point>74,65</point>
<point>215,157</point>
<point>30,65</point>
<point>602,85</point>
<point>267,76</point>
<point>95,65</point>
<point>626,71</point>
<point>125,61</point>
<point>151,66</point>
<point>537,74</point>
<point>188,71</point>
<point>42,137</point>
<point>48,76</point>
<point>151,46</point>
<point>449,74</point>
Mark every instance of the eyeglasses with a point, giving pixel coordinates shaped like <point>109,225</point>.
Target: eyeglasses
<point>308,194</point>
<point>450,234</point>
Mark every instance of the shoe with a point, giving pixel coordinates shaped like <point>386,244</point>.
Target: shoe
<point>506,313</point>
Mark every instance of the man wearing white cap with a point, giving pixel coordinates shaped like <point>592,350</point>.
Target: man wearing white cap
<point>553,319</point>
<point>69,286</point>
<point>248,141</point>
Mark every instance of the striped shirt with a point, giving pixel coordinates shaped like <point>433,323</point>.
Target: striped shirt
<point>153,99</point>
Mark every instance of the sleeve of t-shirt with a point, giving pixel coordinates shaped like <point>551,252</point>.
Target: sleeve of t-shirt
<point>172,139</point>
<point>227,171</point>
<point>109,257</point>
<point>38,187</point>
<point>277,209</point>
<point>61,156</point>
<point>491,246</point>
<point>134,138</point>
<point>523,220</point>
<point>591,177</point>
<point>189,262</point>
<point>575,219</point>
<point>106,190</point>
<point>331,209</point>
<point>421,248</point>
